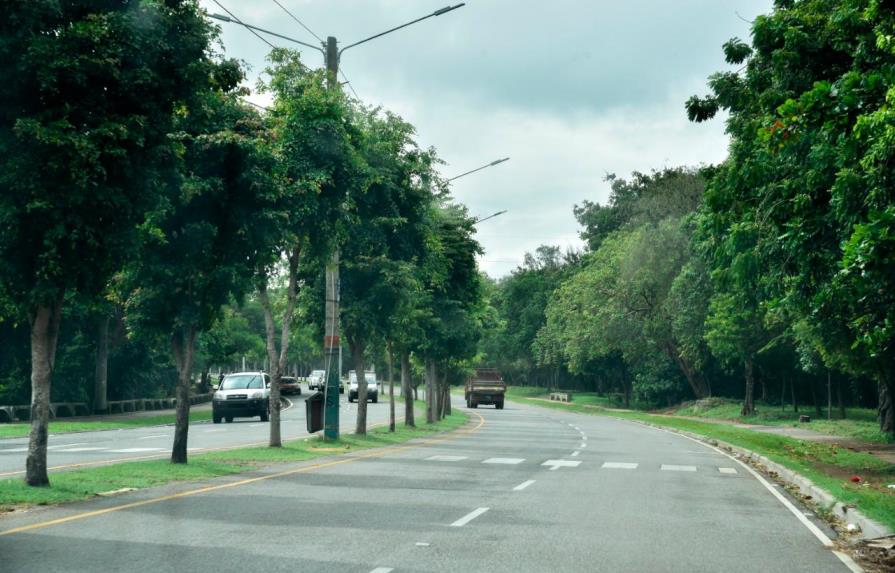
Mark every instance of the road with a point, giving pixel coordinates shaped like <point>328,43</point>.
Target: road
<point>522,489</point>
<point>66,451</point>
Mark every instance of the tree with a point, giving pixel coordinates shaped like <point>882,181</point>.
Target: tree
<point>200,249</point>
<point>87,102</point>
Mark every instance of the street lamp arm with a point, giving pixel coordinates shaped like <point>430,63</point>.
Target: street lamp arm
<point>438,12</point>
<point>486,166</point>
<point>223,18</point>
<point>477,221</point>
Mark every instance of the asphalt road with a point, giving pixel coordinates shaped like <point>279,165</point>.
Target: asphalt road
<point>66,451</point>
<point>529,489</point>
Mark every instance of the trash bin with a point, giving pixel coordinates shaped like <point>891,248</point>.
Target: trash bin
<point>314,412</point>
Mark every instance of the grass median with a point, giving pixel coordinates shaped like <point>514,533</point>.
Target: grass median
<point>21,429</point>
<point>828,465</point>
<point>85,483</point>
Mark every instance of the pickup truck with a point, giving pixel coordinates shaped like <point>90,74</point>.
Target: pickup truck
<point>485,387</point>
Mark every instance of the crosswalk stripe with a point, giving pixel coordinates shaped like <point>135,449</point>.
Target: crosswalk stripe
<point>620,466</point>
<point>445,458</point>
<point>508,461</point>
<point>727,470</point>
<point>675,468</point>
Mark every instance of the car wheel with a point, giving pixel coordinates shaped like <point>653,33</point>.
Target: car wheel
<point>216,419</point>
<point>229,419</point>
<point>500,405</point>
<point>375,398</point>
<point>265,415</point>
<point>475,404</point>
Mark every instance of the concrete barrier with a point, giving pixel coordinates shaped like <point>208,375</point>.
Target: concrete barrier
<point>561,396</point>
<point>22,412</point>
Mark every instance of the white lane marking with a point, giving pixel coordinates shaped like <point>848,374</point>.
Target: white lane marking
<point>213,431</point>
<point>619,466</point>
<point>584,438</point>
<point>79,450</point>
<point>523,485</point>
<point>674,468</point>
<point>263,424</point>
<point>25,449</point>
<point>509,461</point>
<point>445,458</point>
<point>727,470</point>
<point>583,445</point>
<point>136,450</point>
<point>422,544</point>
<point>820,535</point>
<point>382,570</point>
<point>556,464</point>
<point>852,566</point>
<point>469,517</point>
<point>575,453</point>
<point>13,450</point>
<point>153,436</point>
<point>66,445</point>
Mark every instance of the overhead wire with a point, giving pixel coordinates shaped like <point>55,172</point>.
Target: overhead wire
<point>241,23</point>
<point>348,83</point>
<point>300,23</point>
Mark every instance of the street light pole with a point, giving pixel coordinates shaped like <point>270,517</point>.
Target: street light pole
<point>331,343</point>
<point>485,166</point>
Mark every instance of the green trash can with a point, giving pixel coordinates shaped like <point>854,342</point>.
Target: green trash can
<point>314,412</point>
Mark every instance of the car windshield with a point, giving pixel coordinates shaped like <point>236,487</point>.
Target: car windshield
<point>242,382</point>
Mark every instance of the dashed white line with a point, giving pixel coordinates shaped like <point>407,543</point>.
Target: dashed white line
<point>523,485</point>
<point>382,570</point>
<point>584,438</point>
<point>674,468</point>
<point>583,445</point>
<point>727,470</point>
<point>469,517</point>
<point>153,436</point>
<point>422,544</point>
<point>575,453</point>
<point>445,458</point>
<point>136,450</point>
<point>79,450</point>
<point>620,466</point>
<point>556,464</point>
<point>508,461</point>
<point>213,431</point>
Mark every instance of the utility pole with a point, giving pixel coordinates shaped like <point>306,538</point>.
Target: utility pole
<point>332,346</point>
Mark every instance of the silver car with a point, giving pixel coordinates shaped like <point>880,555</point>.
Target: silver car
<point>242,395</point>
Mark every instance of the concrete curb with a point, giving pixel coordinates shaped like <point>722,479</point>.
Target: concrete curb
<point>866,528</point>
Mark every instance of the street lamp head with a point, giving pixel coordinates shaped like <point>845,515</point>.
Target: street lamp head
<point>220,17</point>
<point>447,9</point>
<point>497,161</point>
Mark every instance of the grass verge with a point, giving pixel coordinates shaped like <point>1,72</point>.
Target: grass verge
<point>827,465</point>
<point>85,483</point>
<point>21,429</point>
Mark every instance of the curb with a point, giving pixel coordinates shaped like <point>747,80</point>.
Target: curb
<point>859,525</point>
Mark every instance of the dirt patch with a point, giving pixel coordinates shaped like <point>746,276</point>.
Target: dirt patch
<point>877,554</point>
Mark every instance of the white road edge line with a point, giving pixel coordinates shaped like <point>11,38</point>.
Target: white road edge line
<point>153,436</point>
<point>469,517</point>
<point>382,570</point>
<point>820,535</point>
<point>523,485</point>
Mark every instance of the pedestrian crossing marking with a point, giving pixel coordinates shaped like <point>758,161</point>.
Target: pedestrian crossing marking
<point>676,468</point>
<point>620,466</point>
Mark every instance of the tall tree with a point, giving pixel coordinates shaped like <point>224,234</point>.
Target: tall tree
<point>87,99</point>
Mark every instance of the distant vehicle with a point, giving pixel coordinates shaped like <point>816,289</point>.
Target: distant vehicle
<point>372,386</point>
<point>485,387</point>
<point>317,380</point>
<point>290,386</point>
<point>242,395</point>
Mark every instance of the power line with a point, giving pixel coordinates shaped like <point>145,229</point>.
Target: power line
<point>300,23</point>
<point>240,22</point>
<point>348,82</point>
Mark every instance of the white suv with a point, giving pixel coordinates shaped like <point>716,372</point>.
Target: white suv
<point>243,394</point>
<point>372,386</point>
<point>317,380</point>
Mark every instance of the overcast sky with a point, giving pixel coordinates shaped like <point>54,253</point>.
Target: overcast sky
<point>569,89</point>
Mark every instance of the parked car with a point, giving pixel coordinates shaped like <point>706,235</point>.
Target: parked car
<point>372,386</point>
<point>242,395</point>
<point>317,380</point>
<point>290,386</point>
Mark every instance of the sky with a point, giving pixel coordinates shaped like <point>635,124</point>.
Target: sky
<point>570,90</point>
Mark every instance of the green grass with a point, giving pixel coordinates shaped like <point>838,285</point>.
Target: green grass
<point>827,465</point>
<point>20,429</point>
<point>88,482</point>
<point>859,423</point>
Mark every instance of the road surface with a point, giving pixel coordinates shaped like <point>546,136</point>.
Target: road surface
<point>67,451</point>
<point>521,489</point>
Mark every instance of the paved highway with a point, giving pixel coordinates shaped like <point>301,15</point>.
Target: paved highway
<point>522,489</point>
<point>66,451</point>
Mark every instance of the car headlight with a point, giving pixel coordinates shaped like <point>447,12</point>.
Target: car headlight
<point>218,396</point>
<point>257,395</point>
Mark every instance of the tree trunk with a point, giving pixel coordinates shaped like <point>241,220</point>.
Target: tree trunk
<point>439,397</point>
<point>748,401</point>
<point>183,344</point>
<point>783,394</point>
<point>101,370</point>
<point>430,391</point>
<point>276,359</point>
<point>390,356</point>
<point>814,399</point>
<point>829,396</point>
<point>44,322</point>
<point>626,385</point>
<point>357,347</point>
<point>447,397</point>
<point>839,397</point>
<point>885,409</point>
<point>694,378</point>
<point>406,390</point>
<point>792,393</point>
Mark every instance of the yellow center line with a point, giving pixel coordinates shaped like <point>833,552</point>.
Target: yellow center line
<point>378,453</point>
